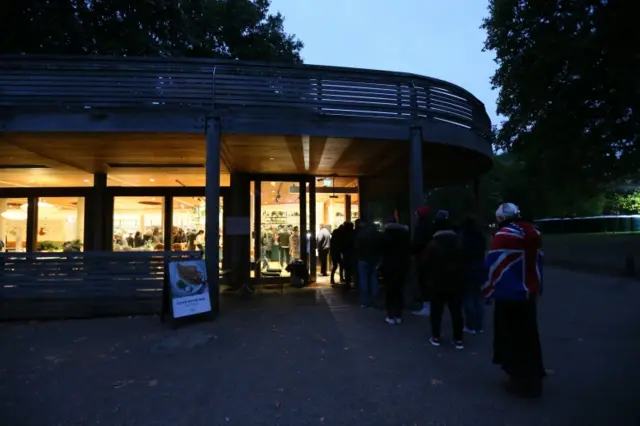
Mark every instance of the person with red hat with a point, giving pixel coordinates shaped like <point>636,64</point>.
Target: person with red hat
<point>421,237</point>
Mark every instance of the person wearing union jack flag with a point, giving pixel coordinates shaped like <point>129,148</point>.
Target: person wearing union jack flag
<point>514,263</point>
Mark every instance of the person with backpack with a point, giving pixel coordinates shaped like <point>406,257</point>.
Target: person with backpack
<point>444,266</point>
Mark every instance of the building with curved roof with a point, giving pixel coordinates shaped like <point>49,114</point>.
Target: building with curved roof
<point>95,151</point>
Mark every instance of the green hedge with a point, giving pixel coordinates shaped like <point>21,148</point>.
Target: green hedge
<point>588,225</point>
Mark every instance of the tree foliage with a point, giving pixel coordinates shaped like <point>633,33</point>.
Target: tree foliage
<point>230,29</point>
<point>569,89</point>
<point>623,203</point>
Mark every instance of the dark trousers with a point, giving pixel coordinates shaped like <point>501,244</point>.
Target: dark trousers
<point>394,279</point>
<point>516,343</point>
<point>324,254</point>
<point>452,300</point>
<point>423,282</point>
<point>284,256</point>
<point>348,264</point>
<point>336,262</point>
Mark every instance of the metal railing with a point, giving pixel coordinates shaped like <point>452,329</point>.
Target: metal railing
<point>106,82</point>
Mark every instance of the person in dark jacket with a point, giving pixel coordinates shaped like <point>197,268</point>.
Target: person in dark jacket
<point>421,238</point>
<point>347,250</point>
<point>396,260</point>
<point>368,251</point>
<point>474,245</point>
<point>336,254</point>
<point>323,241</point>
<point>444,263</point>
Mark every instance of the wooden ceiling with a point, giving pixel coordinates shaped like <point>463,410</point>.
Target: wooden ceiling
<point>71,159</point>
<point>310,155</point>
<point>165,159</point>
<point>31,160</point>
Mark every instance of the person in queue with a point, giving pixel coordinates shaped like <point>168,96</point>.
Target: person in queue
<point>444,268</point>
<point>421,238</point>
<point>347,251</point>
<point>323,241</point>
<point>515,272</point>
<point>368,251</point>
<point>396,260</point>
<point>474,245</point>
<point>335,249</point>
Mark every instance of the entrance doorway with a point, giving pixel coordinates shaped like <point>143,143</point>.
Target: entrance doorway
<point>286,221</point>
<point>337,201</point>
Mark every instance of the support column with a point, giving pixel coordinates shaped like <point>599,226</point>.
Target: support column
<point>80,219</point>
<point>347,207</point>
<point>3,223</point>
<point>364,195</point>
<point>32,225</point>
<point>302,235</point>
<point>97,237</point>
<point>238,212</point>
<point>212,194</point>
<point>167,223</point>
<point>476,197</point>
<point>313,229</point>
<point>415,173</point>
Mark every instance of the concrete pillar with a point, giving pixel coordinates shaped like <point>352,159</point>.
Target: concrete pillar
<point>212,196</point>
<point>99,237</point>
<point>416,176</point>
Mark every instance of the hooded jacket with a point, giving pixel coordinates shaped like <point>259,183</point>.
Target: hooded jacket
<point>368,245</point>
<point>396,246</point>
<point>423,232</point>
<point>444,262</point>
<point>515,262</point>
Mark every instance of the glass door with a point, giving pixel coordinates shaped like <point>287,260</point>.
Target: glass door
<point>278,226</point>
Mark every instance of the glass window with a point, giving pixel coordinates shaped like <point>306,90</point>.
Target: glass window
<point>279,227</point>
<point>188,227</point>
<point>13,224</point>
<point>60,224</point>
<point>138,223</point>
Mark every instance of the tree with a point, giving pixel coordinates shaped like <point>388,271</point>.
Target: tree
<point>229,29</point>
<point>569,89</point>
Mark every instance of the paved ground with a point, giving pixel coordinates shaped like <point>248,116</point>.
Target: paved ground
<point>316,359</point>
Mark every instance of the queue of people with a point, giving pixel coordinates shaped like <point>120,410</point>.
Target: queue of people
<point>456,271</point>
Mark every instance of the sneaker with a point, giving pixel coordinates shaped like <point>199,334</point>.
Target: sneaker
<point>435,341</point>
<point>398,320</point>
<point>424,312</point>
<point>459,344</point>
<point>390,320</point>
<point>469,331</point>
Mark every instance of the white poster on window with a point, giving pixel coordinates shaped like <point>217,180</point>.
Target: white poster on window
<point>189,288</point>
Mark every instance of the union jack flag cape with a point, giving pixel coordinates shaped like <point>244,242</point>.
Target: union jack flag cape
<point>515,262</point>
